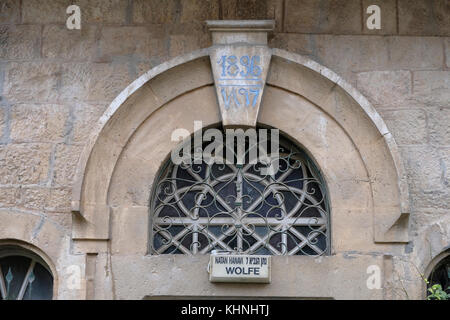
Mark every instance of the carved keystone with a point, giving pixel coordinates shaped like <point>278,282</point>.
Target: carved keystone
<point>240,59</point>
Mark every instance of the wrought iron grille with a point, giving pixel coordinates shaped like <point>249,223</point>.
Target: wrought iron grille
<point>197,208</point>
<point>24,277</point>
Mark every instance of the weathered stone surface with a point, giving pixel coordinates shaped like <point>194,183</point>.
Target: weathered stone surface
<point>85,118</point>
<point>385,88</point>
<point>58,200</point>
<point>143,42</point>
<point>32,82</point>
<point>24,163</point>
<point>388,16</point>
<point>356,53</point>
<point>169,12</point>
<point>38,123</point>
<point>187,37</point>
<point>432,88</point>
<point>9,11</point>
<point>93,81</point>
<point>424,17</point>
<point>439,126</point>
<point>298,43</point>
<point>8,196</point>
<point>252,10</point>
<point>19,42</point>
<point>45,11</point>
<point>34,198</point>
<point>329,16</point>
<point>447,51</point>
<point>65,162</point>
<point>424,169</point>
<point>2,122</point>
<point>409,126</point>
<point>154,11</point>
<point>446,166</point>
<point>415,53</point>
<point>103,11</point>
<point>198,10</point>
<point>62,43</point>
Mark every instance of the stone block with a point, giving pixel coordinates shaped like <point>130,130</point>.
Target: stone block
<point>33,198</point>
<point>439,126</point>
<point>447,51</point>
<point>9,196</point>
<point>130,230</point>
<point>59,200</point>
<point>198,10</point>
<point>351,53</point>
<point>385,88</point>
<point>415,53</point>
<point>424,169</point>
<point>93,81</point>
<point>297,43</point>
<point>24,163</point>
<point>142,42</point>
<point>329,16</point>
<point>19,42</point>
<point>45,11</point>
<point>424,17</point>
<point>154,11</point>
<point>388,16</point>
<point>32,82</point>
<point>85,119</point>
<point>187,37</point>
<point>9,11</point>
<point>253,10</point>
<point>432,88</point>
<point>2,122</point>
<point>103,11</point>
<point>65,164</point>
<point>38,123</point>
<point>408,126</point>
<point>62,43</point>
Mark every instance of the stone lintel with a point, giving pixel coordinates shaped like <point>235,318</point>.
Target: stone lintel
<point>240,31</point>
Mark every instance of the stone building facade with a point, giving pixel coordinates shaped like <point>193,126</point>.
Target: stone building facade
<point>86,118</point>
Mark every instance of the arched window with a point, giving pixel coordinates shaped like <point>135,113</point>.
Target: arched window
<point>24,275</point>
<point>200,207</point>
<point>441,275</point>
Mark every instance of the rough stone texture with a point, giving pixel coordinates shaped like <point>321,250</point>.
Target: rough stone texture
<point>59,42</point>
<point>415,53</point>
<point>439,119</point>
<point>432,88</point>
<point>44,11</point>
<point>251,9</point>
<point>9,11</point>
<point>140,42</point>
<point>424,17</point>
<point>330,16</point>
<point>32,82</point>
<point>85,116</point>
<point>66,158</point>
<point>38,123</point>
<point>19,42</point>
<point>24,163</point>
<point>93,81</point>
<point>56,83</point>
<point>385,88</point>
<point>409,126</point>
<point>103,11</point>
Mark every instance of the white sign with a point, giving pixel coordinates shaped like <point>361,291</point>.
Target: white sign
<point>239,268</point>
